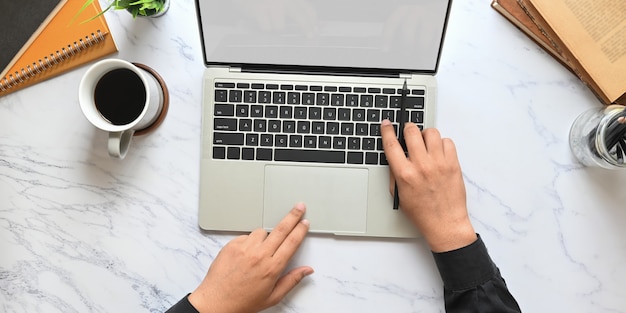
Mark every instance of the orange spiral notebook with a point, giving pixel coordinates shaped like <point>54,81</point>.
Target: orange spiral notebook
<point>64,44</point>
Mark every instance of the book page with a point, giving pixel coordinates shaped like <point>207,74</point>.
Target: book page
<point>594,32</point>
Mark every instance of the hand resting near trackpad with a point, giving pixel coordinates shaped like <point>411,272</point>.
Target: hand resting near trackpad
<point>336,198</point>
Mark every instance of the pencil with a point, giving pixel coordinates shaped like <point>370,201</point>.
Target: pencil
<point>396,197</point>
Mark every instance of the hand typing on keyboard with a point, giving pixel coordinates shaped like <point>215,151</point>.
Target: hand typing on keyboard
<point>430,185</point>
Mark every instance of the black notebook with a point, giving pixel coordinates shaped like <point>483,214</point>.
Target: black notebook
<point>20,22</point>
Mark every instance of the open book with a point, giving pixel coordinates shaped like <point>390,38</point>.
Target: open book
<point>587,36</point>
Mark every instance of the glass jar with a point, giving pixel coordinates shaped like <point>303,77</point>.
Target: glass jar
<point>589,135</point>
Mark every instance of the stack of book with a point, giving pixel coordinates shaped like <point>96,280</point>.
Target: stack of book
<point>586,36</point>
<point>45,38</point>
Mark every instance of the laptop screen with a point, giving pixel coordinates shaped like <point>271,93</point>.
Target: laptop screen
<point>403,35</point>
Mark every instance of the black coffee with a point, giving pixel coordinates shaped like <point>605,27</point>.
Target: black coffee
<point>120,96</point>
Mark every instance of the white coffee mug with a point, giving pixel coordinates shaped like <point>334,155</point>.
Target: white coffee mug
<point>120,98</point>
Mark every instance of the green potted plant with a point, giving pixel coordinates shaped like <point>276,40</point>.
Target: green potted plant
<point>149,8</point>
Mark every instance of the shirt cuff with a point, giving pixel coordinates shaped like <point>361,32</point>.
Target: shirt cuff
<point>466,267</point>
<point>183,306</point>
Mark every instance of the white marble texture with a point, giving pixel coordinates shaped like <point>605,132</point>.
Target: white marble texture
<point>81,232</point>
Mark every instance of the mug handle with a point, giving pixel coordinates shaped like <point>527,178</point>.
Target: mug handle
<point>119,143</point>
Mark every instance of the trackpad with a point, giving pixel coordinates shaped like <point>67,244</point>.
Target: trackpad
<point>336,198</point>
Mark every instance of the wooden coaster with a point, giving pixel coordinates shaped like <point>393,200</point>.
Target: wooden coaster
<point>166,101</point>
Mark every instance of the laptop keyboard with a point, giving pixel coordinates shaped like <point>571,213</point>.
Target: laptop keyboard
<point>335,124</point>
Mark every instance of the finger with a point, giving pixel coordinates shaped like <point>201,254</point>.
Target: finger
<point>393,151</point>
<point>286,283</point>
<point>414,141</point>
<point>449,151</point>
<point>257,236</point>
<point>290,245</point>
<point>434,144</point>
<point>392,184</point>
<point>284,228</point>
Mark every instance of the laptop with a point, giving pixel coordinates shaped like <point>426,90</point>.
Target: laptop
<point>293,96</point>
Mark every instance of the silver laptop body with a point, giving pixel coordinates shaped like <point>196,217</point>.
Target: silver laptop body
<point>293,92</point>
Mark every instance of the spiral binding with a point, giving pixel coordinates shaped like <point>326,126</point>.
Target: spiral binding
<point>48,61</point>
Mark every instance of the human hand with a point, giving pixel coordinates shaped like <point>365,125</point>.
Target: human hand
<point>430,185</point>
<point>245,276</point>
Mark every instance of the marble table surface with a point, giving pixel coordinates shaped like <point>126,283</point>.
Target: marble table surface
<point>81,232</point>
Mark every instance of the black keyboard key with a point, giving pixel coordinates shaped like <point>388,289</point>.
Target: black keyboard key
<point>389,91</point>
<point>274,126</point>
<point>219,153</point>
<point>373,115</point>
<point>310,142</point>
<point>360,90</point>
<point>332,128</point>
<point>249,96</point>
<point>286,87</point>
<point>379,144</point>
<point>265,97</point>
<point>367,101</point>
<point>264,154</point>
<point>344,115</point>
<point>315,113</point>
<point>394,102</point>
<point>325,142</point>
<point>224,110</point>
<point>235,96</point>
<point>354,143</point>
<point>345,89</point>
<point>383,159</point>
<point>278,97</point>
<point>369,144</point>
<point>318,128</point>
<point>358,115</point>
<point>308,98</point>
<point>252,140</point>
<point>352,100</point>
<point>232,153</point>
<point>243,85</point>
<point>388,115</point>
<point>330,88</point>
<point>330,114</point>
<point>373,90</point>
<point>304,127</point>
<point>257,86</point>
<point>302,88</point>
<point>355,158</point>
<point>417,117</point>
<point>293,98</point>
<point>419,92</point>
<point>339,143</point>
<point>256,111</point>
<point>281,141</point>
<point>247,154</point>
<point>415,103</point>
<point>229,139</point>
<point>225,124</point>
<point>336,100</point>
<point>371,158</point>
<point>289,127</point>
<point>406,116</point>
<point>313,156</point>
<point>322,99</point>
<point>381,101</point>
<point>242,110</point>
<point>374,130</point>
<point>221,95</point>
<point>361,129</point>
<point>300,113</point>
<point>260,126</point>
<point>267,140</point>
<point>271,86</point>
<point>245,125</point>
<point>286,112</point>
<point>295,141</point>
<point>271,111</point>
<point>315,88</point>
<point>224,85</point>
<point>347,129</point>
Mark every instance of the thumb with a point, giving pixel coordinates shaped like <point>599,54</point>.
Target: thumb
<point>290,280</point>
